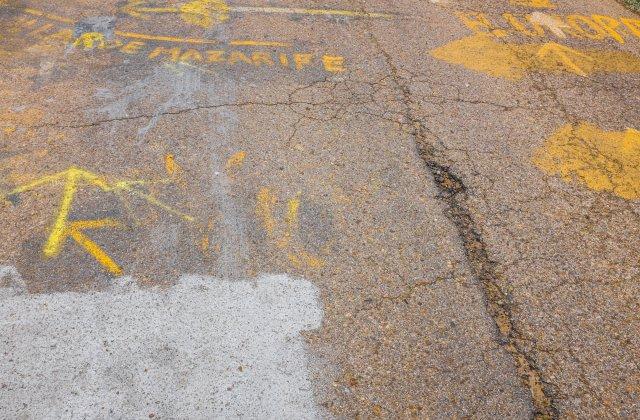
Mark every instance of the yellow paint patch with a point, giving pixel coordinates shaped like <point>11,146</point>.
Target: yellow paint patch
<point>594,28</point>
<point>259,59</point>
<point>90,40</point>
<point>204,13</point>
<point>601,160</point>
<point>75,231</point>
<point>482,52</point>
<point>537,4</point>
<point>11,120</point>
<point>291,221</point>
<point>237,159</point>
<point>311,12</point>
<point>204,243</point>
<point>171,165</point>
<point>303,258</point>
<point>207,13</point>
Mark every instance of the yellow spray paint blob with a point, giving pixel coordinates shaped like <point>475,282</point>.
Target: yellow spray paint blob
<point>90,40</point>
<point>602,160</point>
<point>204,13</point>
<point>170,164</point>
<point>236,159</point>
<point>484,53</point>
<point>538,4</point>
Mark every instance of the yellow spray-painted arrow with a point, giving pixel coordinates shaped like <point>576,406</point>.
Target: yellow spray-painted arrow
<point>203,13</point>
<point>483,53</point>
<point>207,13</point>
<point>73,178</point>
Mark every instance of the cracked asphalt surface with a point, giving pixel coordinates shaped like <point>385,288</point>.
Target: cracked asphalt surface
<point>464,213</point>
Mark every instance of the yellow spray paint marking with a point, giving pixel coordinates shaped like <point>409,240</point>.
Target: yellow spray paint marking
<point>207,13</point>
<point>170,164</point>
<point>538,4</point>
<point>236,159</point>
<point>594,28</point>
<point>204,13</point>
<point>291,221</point>
<point>285,234</point>
<point>312,12</point>
<point>601,160</point>
<point>266,201</point>
<point>90,40</point>
<point>483,53</point>
<point>50,16</point>
<point>154,37</point>
<point>303,258</point>
<point>75,231</point>
<point>73,178</point>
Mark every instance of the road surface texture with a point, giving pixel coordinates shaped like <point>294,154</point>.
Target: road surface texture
<point>317,209</point>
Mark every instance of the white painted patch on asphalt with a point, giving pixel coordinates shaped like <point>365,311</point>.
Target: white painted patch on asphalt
<point>204,348</point>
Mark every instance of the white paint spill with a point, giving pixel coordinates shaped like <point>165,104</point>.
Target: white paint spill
<point>204,348</point>
<point>554,24</point>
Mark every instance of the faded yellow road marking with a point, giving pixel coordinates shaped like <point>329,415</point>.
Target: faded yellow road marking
<point>602,160</point>
<point>150,37</point>
<point>594,28</point>
<point>62,227</point>
<point>50,16</point>
<point>482,52</point>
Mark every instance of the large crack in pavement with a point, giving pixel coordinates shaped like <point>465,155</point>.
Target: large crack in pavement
<point>453,193</point>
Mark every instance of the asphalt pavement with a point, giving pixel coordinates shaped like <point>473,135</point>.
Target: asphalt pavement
<point>319,209</point>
